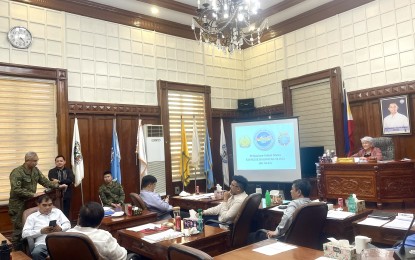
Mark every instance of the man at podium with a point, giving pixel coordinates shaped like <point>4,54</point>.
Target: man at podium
<point>23,182</point>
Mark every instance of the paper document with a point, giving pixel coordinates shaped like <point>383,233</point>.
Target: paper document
<point>200,196</point>
<point>399,222</point>
<point>165,235</point>
<point>376,222</point>
<point>274,248</point>
<point>335,214</point>
<point>146,226</point>
<point>276,209</point>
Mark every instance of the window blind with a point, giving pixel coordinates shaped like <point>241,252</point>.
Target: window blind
<point>27,123</point>
<point>312,104</point>
<point>190,106</point>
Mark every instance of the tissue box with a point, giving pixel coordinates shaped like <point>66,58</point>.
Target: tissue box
<point>189,222</point>
<point>218,194</point>
<point>340,253</point>
<point>360,205</point>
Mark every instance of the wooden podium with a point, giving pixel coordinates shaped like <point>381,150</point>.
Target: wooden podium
<point>375,182</point>
<point>55,194</point>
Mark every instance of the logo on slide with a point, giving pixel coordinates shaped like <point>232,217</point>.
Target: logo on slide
<point>264,139</point>
<point>284,138</point>
<point>244,142</point>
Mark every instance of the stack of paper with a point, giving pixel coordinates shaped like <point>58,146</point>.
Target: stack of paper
<point>376,222</point>
<point>274,248</point>
<point>145,226</point>
<point>400,222</point>
<point>335,214</point>
<point>165,235</point>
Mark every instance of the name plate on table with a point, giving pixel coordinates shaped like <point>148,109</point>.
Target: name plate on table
<point>345,160</point>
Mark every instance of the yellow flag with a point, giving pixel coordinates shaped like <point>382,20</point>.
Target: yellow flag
<point>184,158</point>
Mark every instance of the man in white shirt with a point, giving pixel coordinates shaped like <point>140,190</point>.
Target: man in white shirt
<point>37,225</point>
<point>395,122</point>
<point>232,201</point>
<point>90,217</point>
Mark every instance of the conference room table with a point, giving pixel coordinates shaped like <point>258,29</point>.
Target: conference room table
<point>380,235</point>
<point>187,203</point>
<point>113,224</point>
<point>246,252</point>
<point>269,219</point>
<point>212,240</point>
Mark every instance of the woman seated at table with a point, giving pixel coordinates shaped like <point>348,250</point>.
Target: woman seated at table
<point>368,151</point>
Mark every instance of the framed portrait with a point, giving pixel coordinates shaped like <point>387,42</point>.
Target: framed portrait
<point>395,115</point>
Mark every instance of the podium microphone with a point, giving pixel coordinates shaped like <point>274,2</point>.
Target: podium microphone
<point>407,252</point>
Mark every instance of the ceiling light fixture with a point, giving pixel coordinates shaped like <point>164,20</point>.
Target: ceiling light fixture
<point>228,24</point>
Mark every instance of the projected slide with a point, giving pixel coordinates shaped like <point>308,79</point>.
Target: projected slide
<point>267,150</point>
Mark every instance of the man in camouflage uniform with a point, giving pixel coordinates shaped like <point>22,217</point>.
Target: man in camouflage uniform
<point>23,182</point>
<point>111,192</point>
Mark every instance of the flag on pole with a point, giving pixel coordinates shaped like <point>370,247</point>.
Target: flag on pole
<point>348,125</point>
<point>115,154</point>
<point>184,157</point>
<point>208,161</point>
<point>224,155</point>
<point>141,150</point>
<point>77,160</point>
<point>195,146</point>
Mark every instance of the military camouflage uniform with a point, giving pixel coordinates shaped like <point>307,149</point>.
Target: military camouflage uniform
<point>111,193</point>
<point>23,186</point>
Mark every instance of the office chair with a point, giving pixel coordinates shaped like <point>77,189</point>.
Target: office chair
<point>182,252</point>
<point>307,225</point>
<point>386,145</point>
<point>73,245</point>
<point>241,225</point>
<point>29,242</point>
<point>137,200</point>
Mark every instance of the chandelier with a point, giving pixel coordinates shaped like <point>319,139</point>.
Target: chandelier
<point>228,24</point>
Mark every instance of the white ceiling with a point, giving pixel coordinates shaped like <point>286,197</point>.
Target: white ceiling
<point>139,6</point>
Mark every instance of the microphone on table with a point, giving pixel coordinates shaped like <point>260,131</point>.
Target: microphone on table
<point>405,252</point>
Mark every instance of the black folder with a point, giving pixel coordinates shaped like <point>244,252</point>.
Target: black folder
<point>382,214</point>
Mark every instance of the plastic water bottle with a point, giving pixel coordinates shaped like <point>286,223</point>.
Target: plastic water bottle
<point>4,251</point>
<point>267,198</point>
<point>200,220</point>
<point>351,204</point>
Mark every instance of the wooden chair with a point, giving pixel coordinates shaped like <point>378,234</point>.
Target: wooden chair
<point>138,201</point>
<point>242,223</point>
<point>182,252</point>
<point>307,225</point>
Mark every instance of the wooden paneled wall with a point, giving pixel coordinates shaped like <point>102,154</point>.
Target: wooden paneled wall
<point>365,107</point>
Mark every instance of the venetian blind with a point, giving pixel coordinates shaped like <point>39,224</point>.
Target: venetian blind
<point>191,106</point>
<point>312,104</point>
<point>27,123</point>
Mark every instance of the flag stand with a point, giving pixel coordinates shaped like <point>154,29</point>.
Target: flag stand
<point>82,194</point>
<point>195,180</point>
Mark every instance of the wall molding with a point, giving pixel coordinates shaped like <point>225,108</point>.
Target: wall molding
<point>401,88</point>
<point>274,110</point>
<point>112,109</point>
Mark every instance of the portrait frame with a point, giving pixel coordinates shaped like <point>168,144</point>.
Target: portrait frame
<point>395,115</point>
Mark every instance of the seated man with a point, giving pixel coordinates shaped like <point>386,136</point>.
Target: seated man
<point>90,217</point>
<point>111,192</point>
<point>37,225</point>
<point>153,200</point>
<point>300,191</point>
<point>232,201</point>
